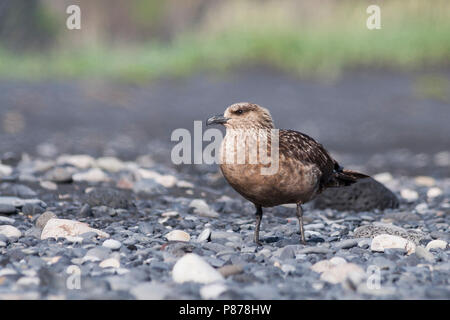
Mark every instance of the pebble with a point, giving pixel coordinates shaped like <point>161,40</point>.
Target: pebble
<point>112,244</point>
<point>421,252</point>
<point>5,170</point>
<point>42,220</point>
<point>346,244</point>
<point>421,208</point>
<point>409,195</point>
<point>205,235</point>
<point>28,281</point>
<point>6,208</point>
<point>167,181</point>
<point>97,254</point>
<point>63,228</point>
<point>342,271</point>
<point>48,185</point>
<point>192,267</point>
<point>230,270</point>
<point>110,164</point>
<point>110,263</point>
<point>212,291</point>
<point>60,175</point>
<point>313,226</point>
<point>148,186</point>
<point>185,184</point>
<point>151,291</point>
<point>201,208</point>
<point>7,272</point>
<point>6,220</point>
<point>436,244</point>
<point>169,214</point>
<point>92,175</point>
<point>325,265</point>
<point>383,177</point>
<point>317,249</point>
<point>424,181</point>
<point>10,231</point>
<point>434,192</point>
<point>80,161</point>
<point>387,241</point>
<point>178,235</point>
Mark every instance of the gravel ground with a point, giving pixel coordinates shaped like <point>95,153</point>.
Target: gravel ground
<point>154,233</point>
<point>91,206</point>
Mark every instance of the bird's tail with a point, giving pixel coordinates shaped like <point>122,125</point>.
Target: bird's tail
<point>346,177</point>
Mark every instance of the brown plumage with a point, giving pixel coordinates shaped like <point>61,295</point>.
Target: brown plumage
<point>301,167</point>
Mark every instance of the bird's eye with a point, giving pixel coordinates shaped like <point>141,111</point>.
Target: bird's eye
<point>239,111</point>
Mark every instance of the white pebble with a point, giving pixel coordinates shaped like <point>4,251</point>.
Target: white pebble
<point>205,235</point>
<point>167,181</point>
<point>49,185</point>
<point>7,272</point>
<point>64,228</point>
<point>6,220</point>
<point>409,195</point>
<point>28,281</point>
<point>422,208</point>
<point>80,161</point>
<point>169,214</point>
<point>424,181</point>
<point>434,192</point>
<point>286,268</point>
<point>110,164</point>
<point>387,241</point>
<point>178,235</point>
<point>436,244</point>
<point>383,177</point>
<point>112,244</point>
<point>341,272</point>
<point>110,263</point>
<point>184,184</point>
<point>193,268</point>
<point>5,170</point>
<point>212,291</point>
<point>10,231</point>
<point>92,175</point>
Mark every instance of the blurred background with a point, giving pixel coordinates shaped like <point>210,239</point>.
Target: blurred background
<point>138,69</point>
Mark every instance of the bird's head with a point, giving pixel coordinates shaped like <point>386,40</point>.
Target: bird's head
<point>244,115</point>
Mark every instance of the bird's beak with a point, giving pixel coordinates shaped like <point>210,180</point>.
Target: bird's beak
<point>219,119</point>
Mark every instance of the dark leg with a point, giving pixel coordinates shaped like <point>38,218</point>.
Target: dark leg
<point>259,214</point>
<point>300,222</point>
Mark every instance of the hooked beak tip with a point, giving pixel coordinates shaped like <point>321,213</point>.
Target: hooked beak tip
<point>219,119</point>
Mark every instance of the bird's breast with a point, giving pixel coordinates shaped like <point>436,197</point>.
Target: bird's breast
<point>289,181</point>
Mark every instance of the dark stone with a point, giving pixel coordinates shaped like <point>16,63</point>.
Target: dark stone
<point>7,208</point>
<point>32,209</point>
<point>21,191</point>
<point>365,195</point>
<point>85,211</point>
<point>60,175</point>
<point>347,244</point>
<point>108,197</point>
<point>11,158</point>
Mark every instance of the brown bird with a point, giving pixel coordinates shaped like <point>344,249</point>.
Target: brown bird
<point>270,167</point>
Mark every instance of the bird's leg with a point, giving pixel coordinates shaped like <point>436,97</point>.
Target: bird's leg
<point>300,222</point>
<point>259,214</point>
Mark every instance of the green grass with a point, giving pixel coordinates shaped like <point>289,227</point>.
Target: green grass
<point>310,50</point>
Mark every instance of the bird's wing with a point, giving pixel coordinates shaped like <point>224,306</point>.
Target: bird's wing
<point>307,150</point>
